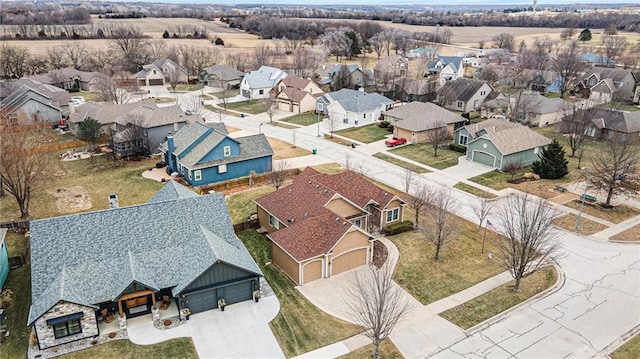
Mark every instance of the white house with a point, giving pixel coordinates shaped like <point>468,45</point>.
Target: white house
<point>161,72</point>
<point>257,84</point>
<point>447,68</point>
<point>353,107</point>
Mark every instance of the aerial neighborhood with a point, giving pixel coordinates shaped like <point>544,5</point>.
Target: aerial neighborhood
<point>238,181</point>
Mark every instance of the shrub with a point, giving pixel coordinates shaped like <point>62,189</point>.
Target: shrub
<point>383,124</point>
<point>458,148</point>
<point>398,228</point>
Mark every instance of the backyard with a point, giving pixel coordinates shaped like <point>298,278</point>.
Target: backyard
<point>365,134</point>
<point>423,153</point>
<point>241,204</point>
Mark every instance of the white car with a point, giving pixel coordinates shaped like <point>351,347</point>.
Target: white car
<point>77,100</point>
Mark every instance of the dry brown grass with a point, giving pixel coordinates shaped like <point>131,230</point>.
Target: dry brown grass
<point>616,214</point>
<point>283,150</point>
<point>587,226</point>
<point>631,234</point>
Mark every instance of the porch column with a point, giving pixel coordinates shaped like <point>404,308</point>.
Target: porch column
<point>153,300</point>
<point>120,308</point>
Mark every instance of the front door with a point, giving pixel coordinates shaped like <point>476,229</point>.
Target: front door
<point>136,307</point>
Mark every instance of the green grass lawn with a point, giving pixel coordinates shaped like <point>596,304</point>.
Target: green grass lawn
<point>19,282</point>
<point>187,88</point>
<point>365,134</point>
<point>461,263</point>
<point>303,119</point>
<point>300,326</point>
<point>401,163</point>
<point>241,204</point>
<point>423,153</point>
<point>630,350</point>
<point>250,106</point>
<point>387,351</point>
<point>174,348</point>
<point>494,179</point>
<point>473,190</point>
<point>229,93</point>
<point>98,178</point>
<point>498,300</point>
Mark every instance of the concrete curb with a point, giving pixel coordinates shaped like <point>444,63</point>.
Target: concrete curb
<point>619,342</point>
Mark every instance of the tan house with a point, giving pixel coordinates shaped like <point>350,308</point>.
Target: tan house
<point>319,225</point>
<point>297,95</point>
<point>390,67</point>
<point>415,121</point>
<point>160,73</point>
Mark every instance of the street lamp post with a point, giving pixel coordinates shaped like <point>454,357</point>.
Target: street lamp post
<point>586,187</point>
<point>318,123</point>
<point>260,127</point>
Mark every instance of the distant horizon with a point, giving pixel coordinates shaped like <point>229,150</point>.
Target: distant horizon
<point>541,3</point>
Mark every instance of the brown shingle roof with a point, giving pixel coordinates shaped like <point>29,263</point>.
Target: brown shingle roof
<point>422,116</point>
<point>508,137</point>
<point>294,94</point>
<point>295,82</point>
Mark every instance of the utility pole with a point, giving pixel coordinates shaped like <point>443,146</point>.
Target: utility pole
<point>586,187</point>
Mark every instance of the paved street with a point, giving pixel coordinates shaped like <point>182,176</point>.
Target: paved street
<point>597,304</point>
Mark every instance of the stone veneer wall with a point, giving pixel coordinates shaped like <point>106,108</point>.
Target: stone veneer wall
<point>88,323</point>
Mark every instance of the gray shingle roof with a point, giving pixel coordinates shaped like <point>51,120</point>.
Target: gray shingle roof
<point>358,101</point>
<point>464,88</point>
<point>625,122</point>
<point>264,77</point>
<point>223,72</point>
<point>422,116</point>
<point>172,191</point>
<point>90,258</point>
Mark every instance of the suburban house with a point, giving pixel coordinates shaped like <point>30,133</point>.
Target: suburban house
<point>319,225</point>
<point>103,112</point>
<point>605,85</point>
<point>145,128</point>
<point>636,92</point>
<point>177,252</point>
<point>161,73</point>
<point>391,67</point>
<point>221,76</point>
<point>205,154</point>
<point>531,108</point>
<point>4,258</point>
<point>542,81</point>
<point>469,94</point>
<point>352,106</point>
<point>68,79</point>
<point>446,68</point>
<point>500,143</point>
<point>608,123</point>
<point>597,60</point>
<point>297,95</point>
<point>417,90</point>
<point>347,76</point>
<point>257,84</point>
<point>421,53</point>
<point>416,121</point>
<point>37,101</point>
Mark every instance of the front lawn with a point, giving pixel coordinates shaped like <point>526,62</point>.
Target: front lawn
<point>219,110</point>
<point>423,153</point>
<point>186,88</point>
<point>587,226</point>
<point>241,204</point>
<point>631,234</point>
<point>163,99</point>
<point>461,263</point>
<point>174,348</point>
<point>365,134</point>
<point>283,150</point>
<point>387,351</point>
<point>327,136</point>
<point>401,163</point>
<point>499,299</point>
<point>228,93</point>
<point>303,119</point>
<point>250,106</point>
<point>473,190</point>
<point>630,350</point>
<point>616,214</point>
<point>300,326</point>
<point>98,178</point>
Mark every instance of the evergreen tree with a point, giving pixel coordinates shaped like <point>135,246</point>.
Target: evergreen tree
<point>90,131</point>
<point>585,35</point>
<point>166,35</point>
<point>552,163</point>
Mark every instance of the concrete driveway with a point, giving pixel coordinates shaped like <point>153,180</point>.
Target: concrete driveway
<point>241,331</point>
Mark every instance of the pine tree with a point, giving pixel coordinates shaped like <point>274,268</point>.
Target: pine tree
<point>552,163</point>
<point>585,35</point>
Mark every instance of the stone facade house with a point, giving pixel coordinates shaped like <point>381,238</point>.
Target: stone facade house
<point>297,95</point>
<point>258,84</point>
<point>319,225</point>
<point>416,121</point>
<point>125,261</point>
<point>500,143</point>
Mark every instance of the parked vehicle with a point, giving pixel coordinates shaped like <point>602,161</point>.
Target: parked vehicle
<point>77,101</point>
<point>395,142</point>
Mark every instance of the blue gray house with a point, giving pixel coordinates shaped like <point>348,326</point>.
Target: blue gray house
<point>91,268</point>
<point>4,258</point>
<point>205,154</point>
<point>353,107</point>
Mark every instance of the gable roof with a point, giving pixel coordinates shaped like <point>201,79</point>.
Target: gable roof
<point>295,82</point>
<point>454,61</point>
<point>465,88</point>
<point>145,114</point>
<point>421,116</point>
<point>508,137</point>
<point>223,72</point>
<point>358,101</point>
<point>172,191</point>
<point>49,95</point>
<point>264,77</point>
<point>390,61</point>
<point>161,244</point>
<point>62,75</point>
<point>619,121</point>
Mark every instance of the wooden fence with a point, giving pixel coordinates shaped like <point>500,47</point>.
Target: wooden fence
<point>244,181</point>
<point>15,225</point>
<point>251,224</point>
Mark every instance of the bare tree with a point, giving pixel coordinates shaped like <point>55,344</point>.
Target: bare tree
<point>193,104</point>
<point>279,173</point>
<point>13,61</point>
<point>481,207</point>
<point>262,56</point>
<point>270,105</point>
<point>446,95</point>
<point>174,77</point>
<point>158,48</point>
<point>438,136</point>
<point>615,166</point>
<point>377,303</point>
<point>614,48</point>
<point>223,95</point>
<point>108,90</point>
<point>503,40</point>
<point>568,66</point>
<point>530,240</point>
<point>408,180</point>
<point>24,167</point>
<point>574,126</point>
<point>513,167</point>
<point>419,200</point>
<point>77,55</point>
<point>440,218</point>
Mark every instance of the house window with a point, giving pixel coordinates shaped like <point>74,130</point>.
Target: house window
<point>319,106</point>
<point>175,126</point>
<point>273,222</point>
<point>222,169</point>
<point>482,93</point>
<point>535,150</point>
<point>358,223</point>
<point>67,325</point>
<point>197,175</point>
<point>592,81</point>
<point>460,104</point>
<point>393,215</point>
<point>227,151</point>
<point>463,140</point>
<point>261,92</point>
<point>154,72</point>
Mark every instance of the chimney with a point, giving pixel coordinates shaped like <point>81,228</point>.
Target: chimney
<point>170,148</point>
<point>113,200</point>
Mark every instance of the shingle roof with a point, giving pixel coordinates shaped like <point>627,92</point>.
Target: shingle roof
<point>223,72</point>
<point>172,191</point>
<point>422,116</point>
<point>508,137</point>
<point>625,122</point>
<point>264,77</point>
<point>90,258</point>
<point>358,101</point>
<point>61,75</point>
<point>295,82</point>
<point>294,94</point>
<point>55,96</point>
<point>465,88</point>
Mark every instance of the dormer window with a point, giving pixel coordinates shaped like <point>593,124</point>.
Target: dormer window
<point>227,151</point>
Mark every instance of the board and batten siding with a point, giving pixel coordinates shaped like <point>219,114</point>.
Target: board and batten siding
<point>217,274</point>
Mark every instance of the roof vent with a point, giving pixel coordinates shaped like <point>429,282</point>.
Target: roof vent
<point>337,219</point>
<point>325,190</point>
<point>113,200</point>
<point>385,194</point>
<point>317,186</point>
<point>309,182</point>
<point>343,223</point>
<point>291,220</point>
<point>305,214</point>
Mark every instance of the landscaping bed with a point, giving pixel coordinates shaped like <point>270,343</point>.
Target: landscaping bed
<point>365,134</point>
<point>424,154</point>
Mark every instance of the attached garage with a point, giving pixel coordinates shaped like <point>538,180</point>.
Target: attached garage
<point>156,82</point>
<point>349,261</point>
<point>202,301</point>
<point>312,271</point>
<point>484,158</point>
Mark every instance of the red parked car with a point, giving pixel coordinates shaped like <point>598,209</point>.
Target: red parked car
<point>395,142</point>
